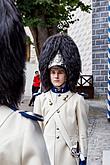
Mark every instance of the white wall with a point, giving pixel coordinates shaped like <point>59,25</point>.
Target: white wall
<point>81,32</point>
<point>31,67</point>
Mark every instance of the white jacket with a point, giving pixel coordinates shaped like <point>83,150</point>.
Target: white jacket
<point>73,115</point>
<point>21,140</point>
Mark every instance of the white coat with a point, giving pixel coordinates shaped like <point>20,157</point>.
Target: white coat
<point>73,114</point>
<point>21,140</point>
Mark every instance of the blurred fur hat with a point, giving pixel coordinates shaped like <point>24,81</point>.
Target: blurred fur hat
<point>64,45</point>
<point>12,54</point>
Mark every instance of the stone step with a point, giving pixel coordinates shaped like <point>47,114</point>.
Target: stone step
<point>106,157</point>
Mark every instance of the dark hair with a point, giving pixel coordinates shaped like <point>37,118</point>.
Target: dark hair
<point>70,54</point>
<point>12,54</point>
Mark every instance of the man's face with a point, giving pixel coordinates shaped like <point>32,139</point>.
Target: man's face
<point>57,76</point>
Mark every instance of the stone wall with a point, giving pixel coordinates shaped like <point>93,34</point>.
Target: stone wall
<point>100,46</point>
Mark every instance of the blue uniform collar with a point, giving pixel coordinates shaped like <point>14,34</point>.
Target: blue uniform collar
<point>14,108</point>
<point>61,90</point>
<point>28,114</point>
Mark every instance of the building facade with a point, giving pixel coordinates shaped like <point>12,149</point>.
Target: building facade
<point>91,36</point>
<point>100,46</point>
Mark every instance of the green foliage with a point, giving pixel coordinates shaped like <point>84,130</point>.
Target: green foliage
<point>50,13</point>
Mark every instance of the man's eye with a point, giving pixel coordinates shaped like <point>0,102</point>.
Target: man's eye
<point>60,72</point>
<point>52,72</point>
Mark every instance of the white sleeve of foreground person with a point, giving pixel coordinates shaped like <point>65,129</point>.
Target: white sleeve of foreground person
<point>34,149</point>
<point>21,141</point>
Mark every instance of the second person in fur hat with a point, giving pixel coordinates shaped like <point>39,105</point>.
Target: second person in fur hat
<point>65,111</point>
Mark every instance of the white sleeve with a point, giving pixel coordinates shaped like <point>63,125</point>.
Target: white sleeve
<point>82,117</point>
<point>34,150</point>
<point>37,105</point>
<point>38,109</point>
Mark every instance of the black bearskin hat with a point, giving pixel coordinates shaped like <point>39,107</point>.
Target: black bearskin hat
<point>63,44</point>
<point>12,54</point>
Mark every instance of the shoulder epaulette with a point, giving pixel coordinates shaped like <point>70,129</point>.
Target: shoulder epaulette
<point>36,94</point>
<point>84,95</point>
<point>32,116</point>
<point>46,91</point>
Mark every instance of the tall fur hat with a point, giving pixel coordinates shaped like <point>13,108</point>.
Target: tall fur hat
<point>65,46</point>
<point>12,54</point>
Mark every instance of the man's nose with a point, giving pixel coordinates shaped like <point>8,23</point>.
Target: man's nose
<point>56,74</point>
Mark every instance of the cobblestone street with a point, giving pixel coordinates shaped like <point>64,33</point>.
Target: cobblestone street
<point>98,132</point>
